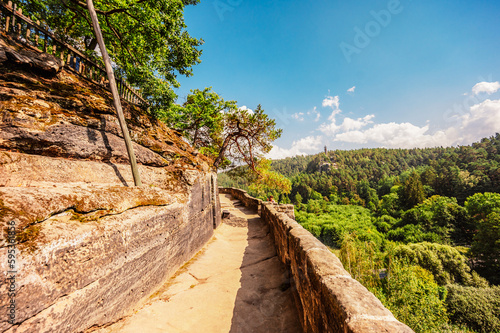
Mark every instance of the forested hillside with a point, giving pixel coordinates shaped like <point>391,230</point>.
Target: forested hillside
<point>420,228</point>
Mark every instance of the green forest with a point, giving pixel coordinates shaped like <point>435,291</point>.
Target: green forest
<point>420,228</point>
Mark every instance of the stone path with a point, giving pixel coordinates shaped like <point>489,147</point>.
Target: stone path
<point>235,284</point>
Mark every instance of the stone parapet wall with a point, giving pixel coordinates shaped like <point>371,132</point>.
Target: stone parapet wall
<point>243,196</point>
<point>327,297</point>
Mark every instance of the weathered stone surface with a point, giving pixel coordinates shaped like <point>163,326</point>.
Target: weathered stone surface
<point>34,103</point>
<point>376,325</point>
<point>76,274</point>
<point>23,170</point>
<point>327,298</point>
<point>30,206</point>
<point>89,246</point>
<point>34,60</point>
<point>67,140</point>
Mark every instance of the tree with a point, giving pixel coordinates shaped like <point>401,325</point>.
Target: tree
<point>266,180</point>
<point>228,134</point>
<point>413,191</point>
<point>247,137</point>
<point>298,199</point>
<point>445,262</point>
<point>414,298</point>
<point>146,39</point>
<point>201,119</point>
<point>486,247</point>
<point>484,209</point>
<point>439,215</point>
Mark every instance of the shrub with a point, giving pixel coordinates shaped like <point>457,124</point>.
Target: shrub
<point>414,298</point>
<point>478,308</point>
<point>445,262</point>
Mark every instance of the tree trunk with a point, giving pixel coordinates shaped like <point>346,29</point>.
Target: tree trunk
<point>116,96</point>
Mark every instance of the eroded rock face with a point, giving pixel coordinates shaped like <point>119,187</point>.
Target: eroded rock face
<point>65,112</point>
<point>11,52</point>
<point>89,244</point>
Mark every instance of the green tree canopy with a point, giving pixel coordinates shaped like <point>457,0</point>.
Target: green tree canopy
<point>484,209</point>
<point>413,191</point>
<point>443,261</point>
<point>437,214</point>
<point>146,39</point>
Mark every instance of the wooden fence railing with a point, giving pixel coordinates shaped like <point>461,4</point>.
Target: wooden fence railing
<point>13,22</point>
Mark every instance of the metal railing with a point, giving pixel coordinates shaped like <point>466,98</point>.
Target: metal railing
<point>32,33</point>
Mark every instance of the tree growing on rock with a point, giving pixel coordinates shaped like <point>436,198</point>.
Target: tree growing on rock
<point>229,135</point>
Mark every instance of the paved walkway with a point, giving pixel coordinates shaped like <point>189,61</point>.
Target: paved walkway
<point>235,284</point>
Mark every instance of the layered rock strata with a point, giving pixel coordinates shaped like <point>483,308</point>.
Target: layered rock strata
<point>89,245</point>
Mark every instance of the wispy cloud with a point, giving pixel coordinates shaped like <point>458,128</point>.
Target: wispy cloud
<point>480,120</point>
<point>351,90</point>
<point>332,102</point>
<point>315,113</point>
<point>304,146</point>
<point>486,87</point>
<point>298,116</point>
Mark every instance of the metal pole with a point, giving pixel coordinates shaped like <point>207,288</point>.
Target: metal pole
<point>114,91</point>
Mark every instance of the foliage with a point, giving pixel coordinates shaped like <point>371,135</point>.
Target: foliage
<point>445,263</point>
<point>454,172</point>
<point>412,192</point>
<point>478,308</point>
<point>486,247</point>
<point>438,215</point>
<point>409,291</point>
<point>363,260</point>
<point>332,223</point>
<point>412,233</point>
<point>389,205</point>
<point>484,209</point>
<point>414,298</point>
<point>247,136</point>
<point>267,180</point>
<point>146,39</point>
<point>200,119</point>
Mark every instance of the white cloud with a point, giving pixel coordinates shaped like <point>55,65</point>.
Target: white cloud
<point>394,135</point>
<point>332,102</point>
<point>304,146</point>
<point>348,124</point>
<point>482,121</point>
<point>298,116</point>
<point>314,112</point>
<point>351,90</point>
<point>486,87</point>
<point>244,107</point>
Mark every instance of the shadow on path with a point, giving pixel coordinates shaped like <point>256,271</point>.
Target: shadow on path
<point>264,302</point>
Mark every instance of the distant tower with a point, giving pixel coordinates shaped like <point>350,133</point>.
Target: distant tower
<point>326,150</point>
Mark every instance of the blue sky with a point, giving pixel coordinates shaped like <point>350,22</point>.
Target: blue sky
<point>354,74</point>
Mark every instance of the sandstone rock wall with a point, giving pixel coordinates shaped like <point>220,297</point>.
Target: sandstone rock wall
<point>89,245</point>
<point>327,297</point>
<point>77,272</point>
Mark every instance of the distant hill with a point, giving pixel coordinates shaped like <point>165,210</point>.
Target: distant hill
<point>453,171</point>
